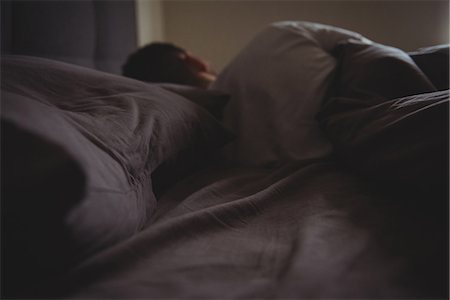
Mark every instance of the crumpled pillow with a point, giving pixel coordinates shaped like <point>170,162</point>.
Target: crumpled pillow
<point>375,73</point>
<point>277,84</point>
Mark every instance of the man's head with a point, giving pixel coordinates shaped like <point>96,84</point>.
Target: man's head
<point>164,62</point>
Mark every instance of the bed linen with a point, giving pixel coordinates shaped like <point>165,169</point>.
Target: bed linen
<point>434,62</point>
<point>401,143</point>
<point>302,230</point>
<point>289,221</point>
<point>279,223</point>
<point>122,134</point>
<point>277,84</point>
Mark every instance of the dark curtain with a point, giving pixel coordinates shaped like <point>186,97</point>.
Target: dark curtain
<point>93,33</point>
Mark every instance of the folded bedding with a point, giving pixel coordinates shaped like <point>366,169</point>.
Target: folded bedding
<point>280,80</point>
<point>401,143</point>
<point>386,120</point>
<point>117,131</point>
<point>304,229</point>
<point>276,85</point>
<point>35,242</point>
<point>295,177</point>
<point>377,72</point>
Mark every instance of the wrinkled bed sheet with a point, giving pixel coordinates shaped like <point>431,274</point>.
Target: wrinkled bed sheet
<point>298,227</point>
<point>307,228</point>
<point>301,230</point>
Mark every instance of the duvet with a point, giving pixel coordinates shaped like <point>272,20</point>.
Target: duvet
<point>316,167</point>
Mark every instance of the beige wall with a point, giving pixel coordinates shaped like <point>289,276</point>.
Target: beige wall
<point>217,30</point>
<point>149,21</point>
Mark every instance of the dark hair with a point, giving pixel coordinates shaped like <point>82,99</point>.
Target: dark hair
<point>157,62</point>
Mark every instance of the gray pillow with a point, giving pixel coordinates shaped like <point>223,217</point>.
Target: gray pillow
<point>374,73</point>
<point>213,101</point>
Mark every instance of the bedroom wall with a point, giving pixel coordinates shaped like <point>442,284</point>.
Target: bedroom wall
<point>217,30</point>
<point>149,21</point>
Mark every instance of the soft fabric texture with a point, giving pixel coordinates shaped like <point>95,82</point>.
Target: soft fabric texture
<point>376,133</point>
<point>434,62</point>
<point>213,101</point>
<point>40,183</point>
<point>401,143</point>
<point>170,172</point>
<point>118,130</point>
<point>376,72</point>
<point>277,84</point>
<point>303,229</point>
<point>306,230</point>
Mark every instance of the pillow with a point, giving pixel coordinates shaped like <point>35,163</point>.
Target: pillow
<point>374,73</point>
<point>434,62</point>
<point>212,100</point>
<point>401,143</point>
<point>117,129</point>
<point>386,140</point>
<point>277,84</point>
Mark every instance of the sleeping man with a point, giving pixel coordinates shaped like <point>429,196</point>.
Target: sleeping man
<point>164,62</point>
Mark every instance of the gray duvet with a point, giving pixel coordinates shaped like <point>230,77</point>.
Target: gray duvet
<point>283,212</point>
<point>303,230</point>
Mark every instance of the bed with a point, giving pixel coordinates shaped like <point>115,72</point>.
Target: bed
<point>315,167</point>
